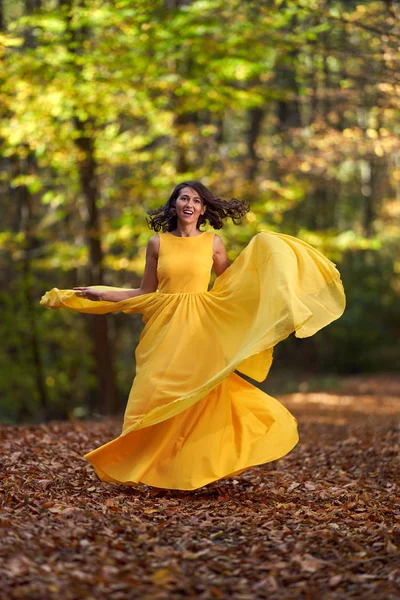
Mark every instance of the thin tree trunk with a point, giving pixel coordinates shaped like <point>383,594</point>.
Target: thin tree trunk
<point>32,5</point>
<point>183,122</point>
<point>289,109</point>
<point>373,184</point>
<point>103,355</point>
<point>102,350</point>
<point>26,225</point>
<point>255,117</point>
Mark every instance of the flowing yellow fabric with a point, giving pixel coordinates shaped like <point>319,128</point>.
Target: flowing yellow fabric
<point>190,419</point>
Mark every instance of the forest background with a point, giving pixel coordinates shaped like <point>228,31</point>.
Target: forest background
<point>106,105</point>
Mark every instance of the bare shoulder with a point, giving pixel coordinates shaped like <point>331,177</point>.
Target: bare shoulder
<point>218,245</point>
<point>153,245</point>
<point>220,258</point>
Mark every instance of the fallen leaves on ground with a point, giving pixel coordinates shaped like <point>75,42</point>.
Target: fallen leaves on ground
<point>318,523</point>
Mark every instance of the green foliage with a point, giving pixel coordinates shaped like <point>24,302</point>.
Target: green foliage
<point>290,105</point>
<point>64,349</point>
<point>367,337</point>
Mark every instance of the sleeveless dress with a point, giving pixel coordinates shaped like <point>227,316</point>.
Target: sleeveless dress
<point>190,419</point>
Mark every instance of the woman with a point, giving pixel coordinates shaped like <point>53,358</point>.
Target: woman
<point>190,419</point>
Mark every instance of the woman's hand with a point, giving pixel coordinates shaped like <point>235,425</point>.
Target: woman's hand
<point>89,293</point>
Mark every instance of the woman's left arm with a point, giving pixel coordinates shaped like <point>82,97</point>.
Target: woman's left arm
<point>220,258</point>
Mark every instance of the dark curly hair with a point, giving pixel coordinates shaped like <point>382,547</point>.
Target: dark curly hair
<point>217,210</point>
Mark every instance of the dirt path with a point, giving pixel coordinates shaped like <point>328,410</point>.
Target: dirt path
<point>319,523</point>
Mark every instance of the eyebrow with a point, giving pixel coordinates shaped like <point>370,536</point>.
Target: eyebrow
<point>187,196</point>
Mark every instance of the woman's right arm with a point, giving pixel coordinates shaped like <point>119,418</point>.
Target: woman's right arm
<point>148,284</point>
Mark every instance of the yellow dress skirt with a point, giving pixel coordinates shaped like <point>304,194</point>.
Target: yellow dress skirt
<point>190,419</point>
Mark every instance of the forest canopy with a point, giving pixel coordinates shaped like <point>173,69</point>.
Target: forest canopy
<point>105,106</point>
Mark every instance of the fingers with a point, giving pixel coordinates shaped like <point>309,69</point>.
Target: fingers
<point>82,291</point>
<point>87,292</point>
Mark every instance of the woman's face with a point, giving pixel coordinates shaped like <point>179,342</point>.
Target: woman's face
<point>189,206</point>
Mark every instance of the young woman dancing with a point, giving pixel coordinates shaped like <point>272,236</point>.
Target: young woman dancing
<point>190,419</point>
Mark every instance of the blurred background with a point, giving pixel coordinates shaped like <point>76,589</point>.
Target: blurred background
<point>107,105</point>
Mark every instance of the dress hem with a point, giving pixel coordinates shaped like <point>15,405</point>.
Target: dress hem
<point>104,477</point>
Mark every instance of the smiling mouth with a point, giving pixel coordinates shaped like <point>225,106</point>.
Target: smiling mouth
<point>187,212</point>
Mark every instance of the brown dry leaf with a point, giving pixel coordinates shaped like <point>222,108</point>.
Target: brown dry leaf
<point>309,563</point>
<point>309,485</point>
<point>293,486</point>
<point>161,577</point>
<point>392,548</point>
<point>335,580</point>
<point>321,518</point>
<point>268,583</point>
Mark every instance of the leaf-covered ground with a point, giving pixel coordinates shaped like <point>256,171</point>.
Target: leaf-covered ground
<point>318,523</point>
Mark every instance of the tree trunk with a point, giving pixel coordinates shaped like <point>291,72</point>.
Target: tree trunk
<point>26,225</point>
<point>102,350</point>
<point>107,391</point>
<point>288,109</point>
<point>255,117</point>
<point>182,121</point>
<point>182,124</point>
<point>32,5</point>
<point>372,187</point>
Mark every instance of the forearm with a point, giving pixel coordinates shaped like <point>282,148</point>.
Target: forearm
<point>119,295</point>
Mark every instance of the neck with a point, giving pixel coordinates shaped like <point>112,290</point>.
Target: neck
<point>186,230</point>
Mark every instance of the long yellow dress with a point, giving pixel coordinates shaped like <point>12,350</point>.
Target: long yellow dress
<point>190,419</point>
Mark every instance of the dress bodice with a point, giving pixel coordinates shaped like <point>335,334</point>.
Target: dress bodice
<point>184,263</point>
